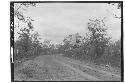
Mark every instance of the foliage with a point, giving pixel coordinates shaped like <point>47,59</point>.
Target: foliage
<point>114,54</point>
<point>98,40</point>
<point>18,13</point>
<point>27,44</point>
<point>94,46</point>
<point>118,6</point>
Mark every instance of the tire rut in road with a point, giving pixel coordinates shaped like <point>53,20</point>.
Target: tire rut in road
<point>85,75</point>
<point>92,72</point>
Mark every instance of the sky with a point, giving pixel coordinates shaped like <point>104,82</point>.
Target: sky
<point>55,21</point>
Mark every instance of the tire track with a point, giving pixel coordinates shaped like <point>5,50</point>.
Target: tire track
<point>103,76</point>
<point>104,72</point>
<point>92,78</point>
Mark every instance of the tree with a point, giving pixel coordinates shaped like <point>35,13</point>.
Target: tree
<point>23,44</point>
<point>98,39</point>
<point>67,43</point>
<point>21,17</point>
<point>28,42</point>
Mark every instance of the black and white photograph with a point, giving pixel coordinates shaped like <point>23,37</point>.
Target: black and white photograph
<point>66,41</point>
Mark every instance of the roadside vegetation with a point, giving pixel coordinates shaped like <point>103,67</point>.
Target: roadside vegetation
<point>95,46</point>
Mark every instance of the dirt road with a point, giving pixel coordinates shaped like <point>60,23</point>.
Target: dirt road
<point>58,68</point>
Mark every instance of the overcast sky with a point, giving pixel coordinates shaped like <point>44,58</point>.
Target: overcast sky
<point>55,21</point>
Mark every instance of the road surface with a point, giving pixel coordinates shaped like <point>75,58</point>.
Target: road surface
<point>59,68</point>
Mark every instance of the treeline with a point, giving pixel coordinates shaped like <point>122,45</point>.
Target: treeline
<point>95,46</point>
<point>29,46</point>
<point>28,43</point>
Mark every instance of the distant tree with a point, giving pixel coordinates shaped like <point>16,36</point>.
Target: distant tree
<point>67,43</point>
<point>72,41</point>
<point>77,40</point>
